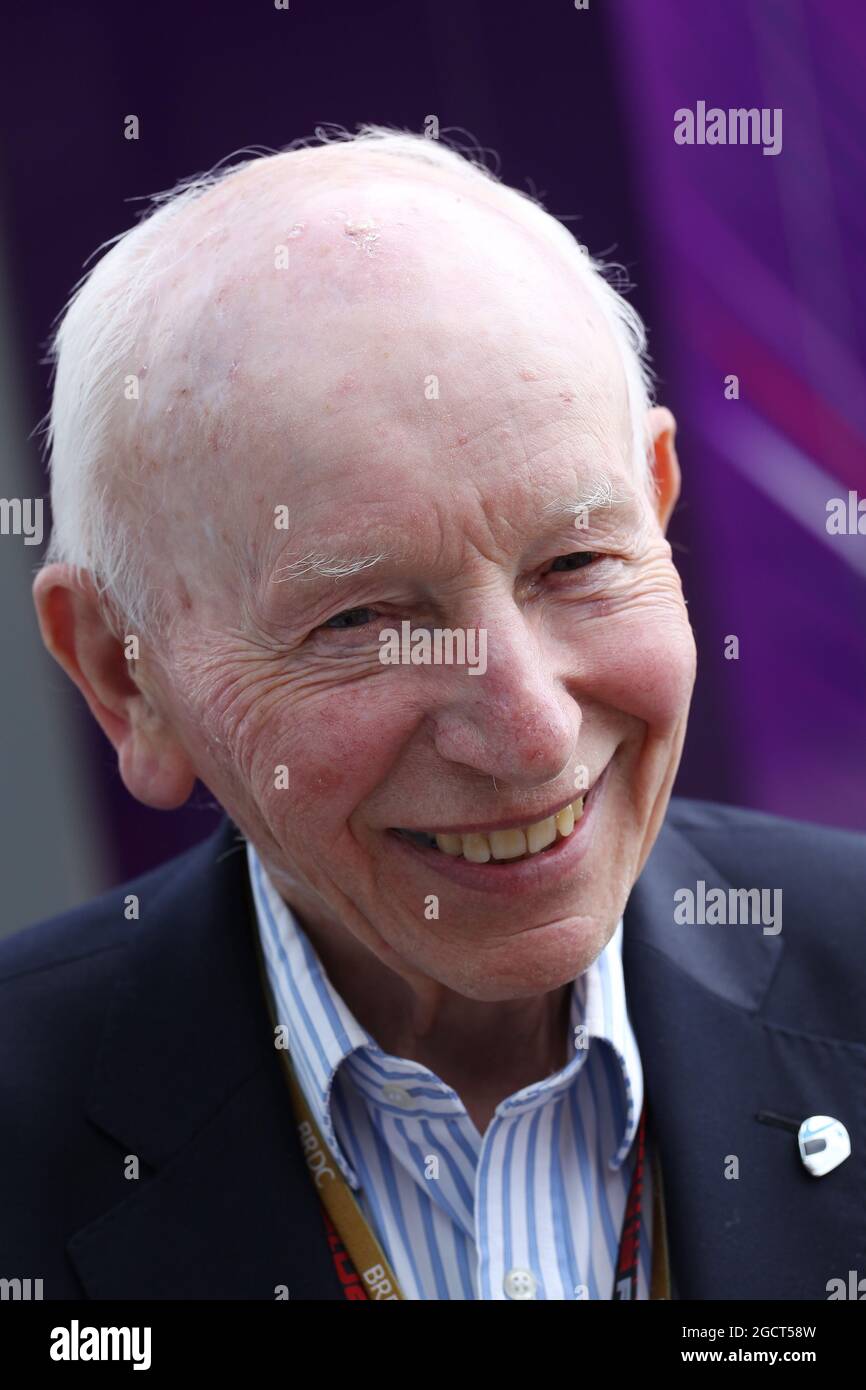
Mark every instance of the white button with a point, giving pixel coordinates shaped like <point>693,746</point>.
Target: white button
<point>397,1095</point>
<point>519,1283</point>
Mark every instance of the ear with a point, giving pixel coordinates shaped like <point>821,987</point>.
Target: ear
<point>153,763</point>
<point>663,462</point>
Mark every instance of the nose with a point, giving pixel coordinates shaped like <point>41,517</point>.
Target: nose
<point>514,722</point>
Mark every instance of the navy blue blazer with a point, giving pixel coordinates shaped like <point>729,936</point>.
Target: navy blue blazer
<point>151,1038</point>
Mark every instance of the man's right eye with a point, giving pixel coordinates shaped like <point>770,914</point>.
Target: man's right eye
<point>350,617</point>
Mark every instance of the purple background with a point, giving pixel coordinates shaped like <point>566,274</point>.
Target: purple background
<point>743,264</point>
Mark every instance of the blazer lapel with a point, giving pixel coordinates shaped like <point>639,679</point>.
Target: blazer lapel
<point>189,1082</point>
<point>712,1060</point>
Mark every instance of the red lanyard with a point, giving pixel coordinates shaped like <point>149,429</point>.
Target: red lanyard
<point>626,1272</point>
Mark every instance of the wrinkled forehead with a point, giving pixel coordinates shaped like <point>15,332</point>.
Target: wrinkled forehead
<point>368,333</point>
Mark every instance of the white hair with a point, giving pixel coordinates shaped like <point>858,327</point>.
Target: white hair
<point>97,332</point>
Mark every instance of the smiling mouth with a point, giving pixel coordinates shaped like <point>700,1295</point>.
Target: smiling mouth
<point>503,846</point>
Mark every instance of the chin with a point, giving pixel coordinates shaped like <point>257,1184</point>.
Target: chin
<point>533,962</point>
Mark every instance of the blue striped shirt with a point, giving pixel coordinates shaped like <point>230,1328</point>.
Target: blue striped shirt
<point>530,1210</point>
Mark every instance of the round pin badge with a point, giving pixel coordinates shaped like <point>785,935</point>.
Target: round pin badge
<point>824,1144</point>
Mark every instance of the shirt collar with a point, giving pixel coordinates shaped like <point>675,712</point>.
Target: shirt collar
<point>323,1033</point>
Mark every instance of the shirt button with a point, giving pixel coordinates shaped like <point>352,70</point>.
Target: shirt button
<point>397,1095</point>
<point>519,1283</point>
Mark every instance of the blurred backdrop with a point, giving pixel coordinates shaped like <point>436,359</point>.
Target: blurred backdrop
<point>743,264</point>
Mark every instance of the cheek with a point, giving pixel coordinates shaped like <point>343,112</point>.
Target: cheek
<point>337,747</point>
<point>643,663</point>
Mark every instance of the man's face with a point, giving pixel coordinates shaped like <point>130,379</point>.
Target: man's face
<point>436,390</point>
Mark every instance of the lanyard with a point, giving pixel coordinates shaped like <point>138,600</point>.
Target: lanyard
<point>625,1278</point>
<point>349,1233</point>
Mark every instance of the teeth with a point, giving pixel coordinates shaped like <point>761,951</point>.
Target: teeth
<point>450,844</point>
<point>476,848</point>
<point>512,844</point>
<point>541,835</point>
<point>507,844</point>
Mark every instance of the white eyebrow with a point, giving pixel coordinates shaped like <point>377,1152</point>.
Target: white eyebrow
<point>317,566</point>
<point>601,496</point>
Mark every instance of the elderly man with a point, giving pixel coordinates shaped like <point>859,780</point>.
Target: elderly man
<point>456,1004</point>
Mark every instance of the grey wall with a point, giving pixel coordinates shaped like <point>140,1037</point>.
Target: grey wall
<point>49,855</point>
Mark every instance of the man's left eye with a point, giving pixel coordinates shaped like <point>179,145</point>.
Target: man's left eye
<point>578,560</point>
<point>350,617</point>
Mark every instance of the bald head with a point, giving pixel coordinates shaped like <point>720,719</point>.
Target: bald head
<point>295,308</point>
<point>366,343</point>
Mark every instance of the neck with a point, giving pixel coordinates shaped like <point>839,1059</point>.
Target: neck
<point>483,1050</point>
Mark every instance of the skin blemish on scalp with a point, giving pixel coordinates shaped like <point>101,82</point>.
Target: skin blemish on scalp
<point>526,374</point>
<point>363,232</point>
